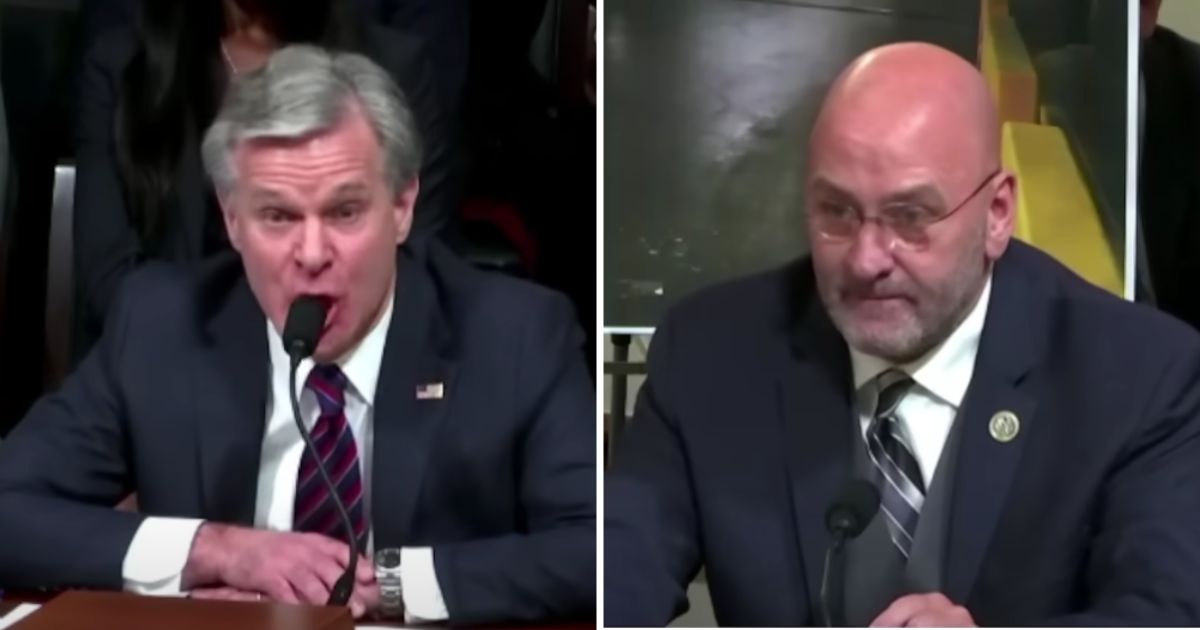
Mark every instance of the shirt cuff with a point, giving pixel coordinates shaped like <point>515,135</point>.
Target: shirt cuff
<point>422,595</point>
<point>157,555</point>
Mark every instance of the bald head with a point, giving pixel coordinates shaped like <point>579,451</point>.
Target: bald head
<point>915,100</point>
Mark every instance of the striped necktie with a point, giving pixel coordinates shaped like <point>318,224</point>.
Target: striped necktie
<point>315,509</point>
<point>897,473</point>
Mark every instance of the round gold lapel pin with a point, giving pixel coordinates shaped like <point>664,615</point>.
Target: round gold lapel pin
<point>1004,426</point>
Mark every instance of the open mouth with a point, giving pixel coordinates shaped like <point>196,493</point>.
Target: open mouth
<point>331,312</point>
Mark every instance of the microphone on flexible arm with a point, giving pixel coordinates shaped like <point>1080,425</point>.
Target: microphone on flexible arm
<point>845,519</point>
<point>305,319</point>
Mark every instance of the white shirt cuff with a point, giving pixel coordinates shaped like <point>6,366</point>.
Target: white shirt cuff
<point>157,555</point>
<point>422,595</point>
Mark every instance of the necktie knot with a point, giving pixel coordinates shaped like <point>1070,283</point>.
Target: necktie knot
<point>893,386</point>
<point>329,384</point>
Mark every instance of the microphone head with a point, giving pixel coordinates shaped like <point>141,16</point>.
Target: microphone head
<point>853,509</point>
<point>305,319</point>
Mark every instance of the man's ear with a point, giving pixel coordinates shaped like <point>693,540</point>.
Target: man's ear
<point>1002,215</point>
<point>403,203</point>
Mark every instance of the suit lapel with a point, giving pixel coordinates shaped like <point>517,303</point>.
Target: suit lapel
<point>230,404</point>
<point>405,423</point>
<point>986,465</point>
<point>815,392</point>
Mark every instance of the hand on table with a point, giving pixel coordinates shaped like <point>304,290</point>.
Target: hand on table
<point>285,567</point>
<point>224,593</point>
<point>368,594</point>
<point>924,610</point>
<point>365,593</point>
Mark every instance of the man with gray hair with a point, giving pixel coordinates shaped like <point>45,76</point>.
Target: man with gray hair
<point>450,408</point>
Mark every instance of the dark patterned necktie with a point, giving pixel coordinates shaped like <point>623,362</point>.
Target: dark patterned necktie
<point>897,473</point>
<point>315,509</point>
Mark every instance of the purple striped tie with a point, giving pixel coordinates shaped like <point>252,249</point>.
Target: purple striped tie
<point>315,510</point>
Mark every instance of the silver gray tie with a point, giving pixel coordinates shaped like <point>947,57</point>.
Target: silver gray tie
<point>897,473</point>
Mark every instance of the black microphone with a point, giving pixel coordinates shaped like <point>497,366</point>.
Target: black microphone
<point>301,333</point>
<point>845,519</point>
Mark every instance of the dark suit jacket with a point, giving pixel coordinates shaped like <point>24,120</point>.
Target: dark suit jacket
<point>107,246</point>
<point>498,477</point>
<point>1169,184</point>
<point>743,435</point>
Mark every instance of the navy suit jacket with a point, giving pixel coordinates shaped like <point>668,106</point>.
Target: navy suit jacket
<point>498,477</point>
<point>743,435</point>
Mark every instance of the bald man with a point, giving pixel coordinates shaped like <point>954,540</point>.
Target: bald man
<point>1034,443</point>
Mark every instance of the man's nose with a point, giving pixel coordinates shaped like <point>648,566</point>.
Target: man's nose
<point>314,251</point>
<point>871,254</point>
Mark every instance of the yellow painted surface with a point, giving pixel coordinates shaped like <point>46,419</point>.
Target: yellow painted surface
<point>1055,209</point>
<point>1005,64</point>
<point>987,9</point>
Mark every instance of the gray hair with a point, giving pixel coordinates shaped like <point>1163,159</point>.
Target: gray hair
<point>305,90</point>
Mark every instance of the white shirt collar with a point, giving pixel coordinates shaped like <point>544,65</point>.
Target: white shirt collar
<point>360,365</point>
<point>945,371</point>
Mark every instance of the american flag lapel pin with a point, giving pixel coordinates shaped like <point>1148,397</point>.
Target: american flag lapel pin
<point>431,391</point>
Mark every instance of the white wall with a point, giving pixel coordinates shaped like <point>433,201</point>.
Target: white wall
<point>1182,16</point>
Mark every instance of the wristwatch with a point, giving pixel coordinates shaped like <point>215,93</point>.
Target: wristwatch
<point>387,574</point>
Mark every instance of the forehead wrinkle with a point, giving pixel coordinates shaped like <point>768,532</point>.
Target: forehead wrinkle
<point>348,145</point>
<point>302,176</point>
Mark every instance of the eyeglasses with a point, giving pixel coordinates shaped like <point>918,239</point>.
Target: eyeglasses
<point>907,223</point>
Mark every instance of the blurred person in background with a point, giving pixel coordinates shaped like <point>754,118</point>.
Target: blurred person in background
<point>1169,173</point>
<point>441,25</point>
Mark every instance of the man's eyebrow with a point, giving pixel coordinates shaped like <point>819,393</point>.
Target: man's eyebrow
<point>824,186</point>
<point>350,189</point>
<point>920,194</point>
<point>266,195</point>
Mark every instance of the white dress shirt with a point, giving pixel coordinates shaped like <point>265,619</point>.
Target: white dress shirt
<point>928,410</point>
<point>157,555</point>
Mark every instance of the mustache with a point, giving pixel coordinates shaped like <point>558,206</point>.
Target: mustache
<point>876,289</point>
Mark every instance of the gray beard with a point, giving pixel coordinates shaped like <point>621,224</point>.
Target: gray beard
<point>913,340</point>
